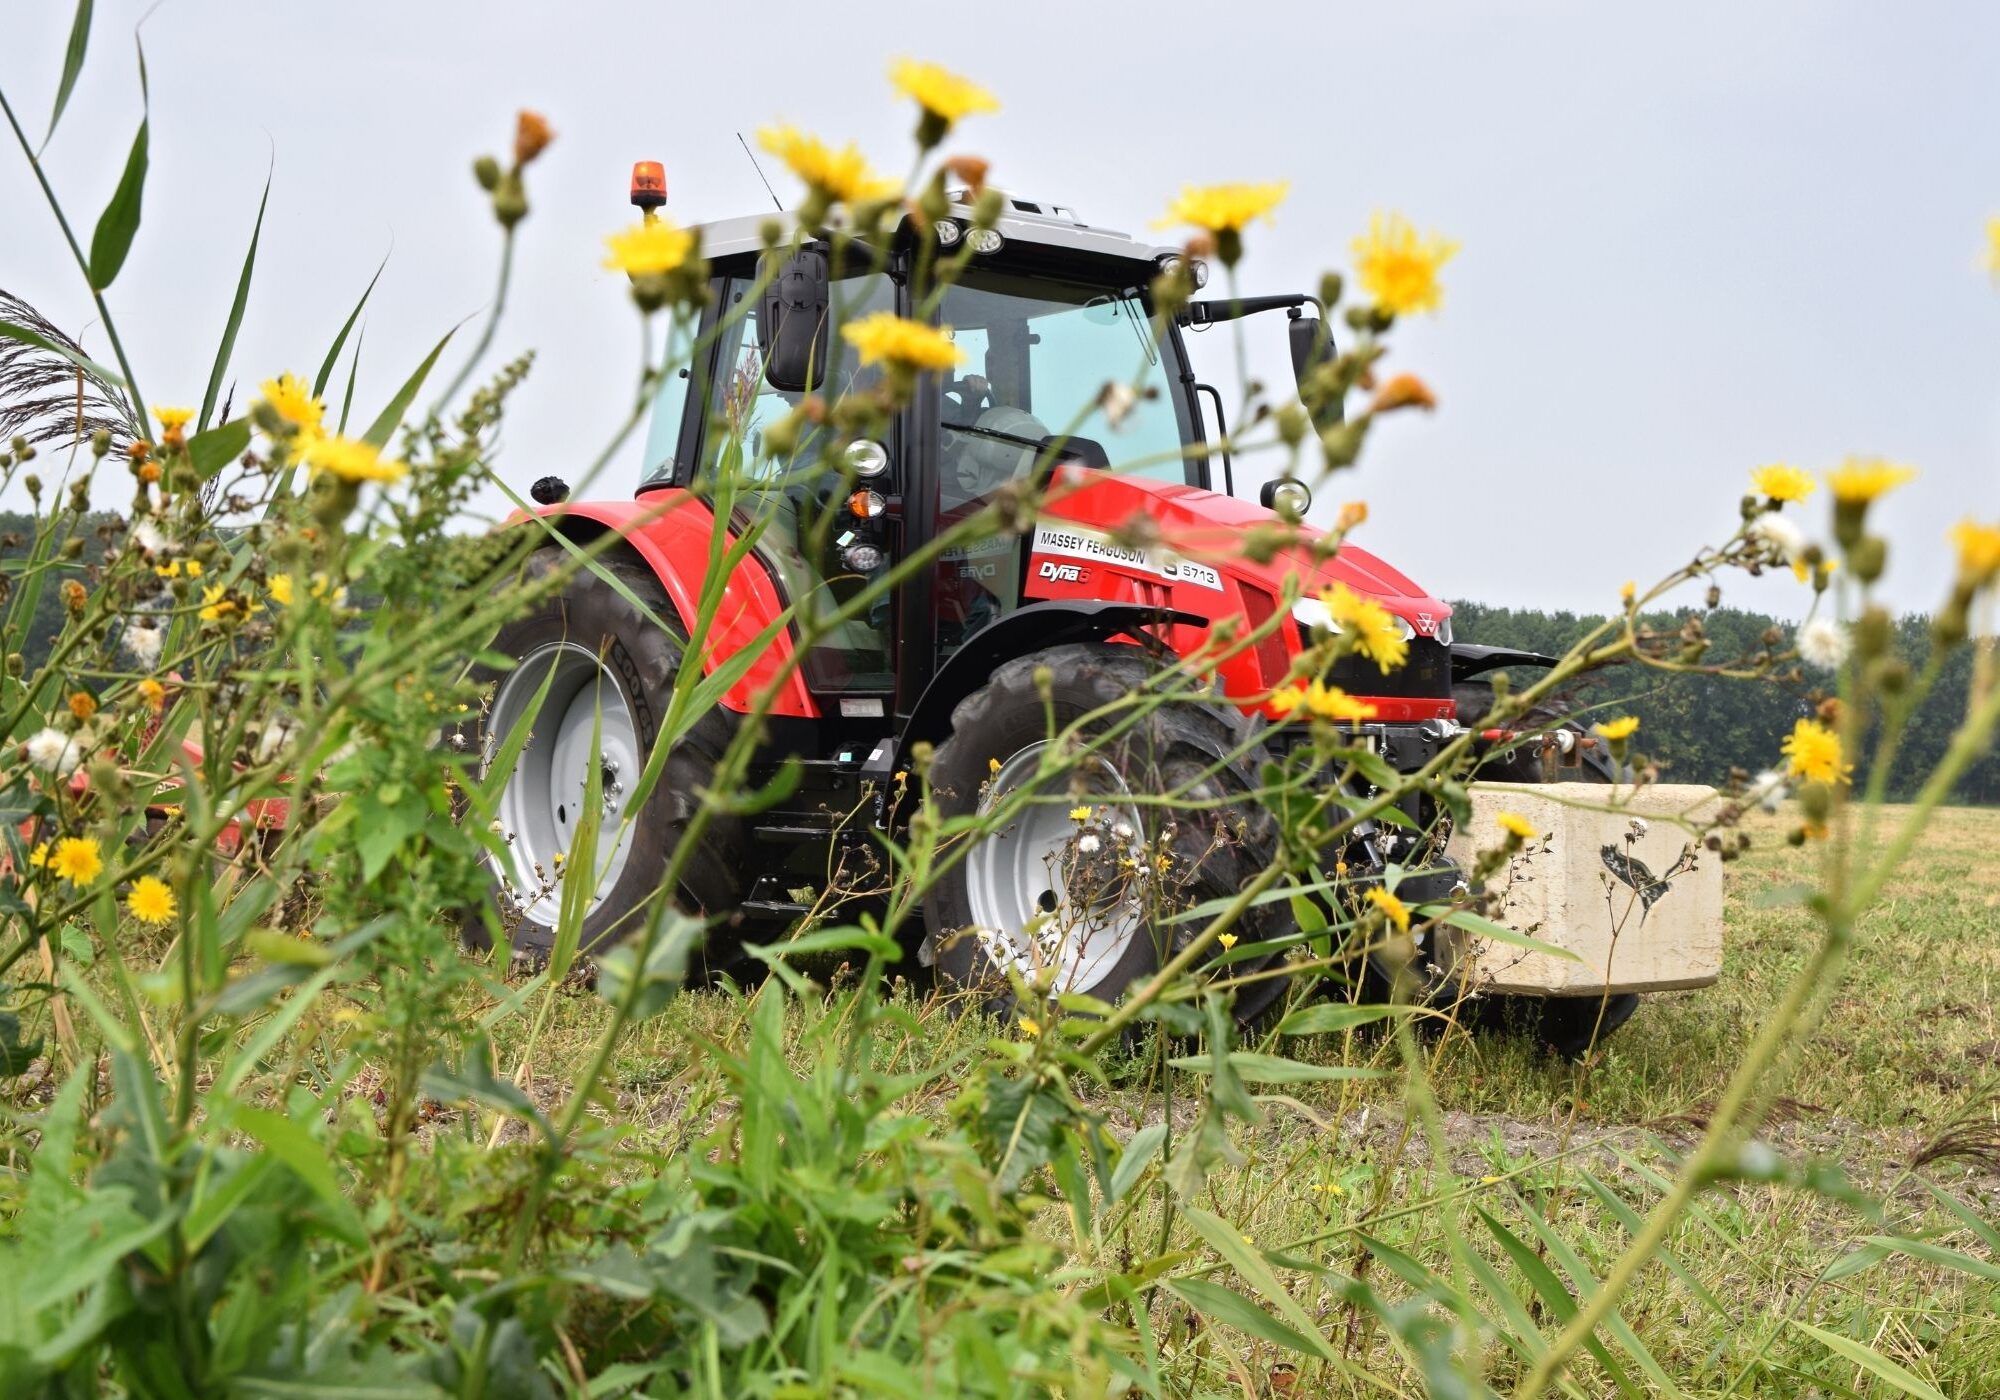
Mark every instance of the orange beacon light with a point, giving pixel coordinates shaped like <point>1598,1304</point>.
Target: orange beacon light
<point>649,184</point>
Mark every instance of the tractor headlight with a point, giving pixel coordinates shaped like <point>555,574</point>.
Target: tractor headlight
<point>948,232</point>
<point>985,240</point>
<point>1312,612</point>
<point>1443,633</point>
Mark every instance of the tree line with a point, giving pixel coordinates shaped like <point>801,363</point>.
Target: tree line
<point>1697,728</point>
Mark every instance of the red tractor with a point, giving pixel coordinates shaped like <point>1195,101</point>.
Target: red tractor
<point>1046,313</point>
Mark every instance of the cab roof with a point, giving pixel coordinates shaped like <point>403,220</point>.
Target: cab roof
<point>1026,221</point>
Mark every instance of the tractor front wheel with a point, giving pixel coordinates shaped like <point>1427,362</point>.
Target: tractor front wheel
<point>1076,877</point>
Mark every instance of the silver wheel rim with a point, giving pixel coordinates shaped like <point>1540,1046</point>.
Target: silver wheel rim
<point>542,806</point>
<point>1053,889</point>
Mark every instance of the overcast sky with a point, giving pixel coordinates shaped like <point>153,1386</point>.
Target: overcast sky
<point>1696,237</point>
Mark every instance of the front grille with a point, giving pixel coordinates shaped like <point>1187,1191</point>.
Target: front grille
<point>1425,674</point>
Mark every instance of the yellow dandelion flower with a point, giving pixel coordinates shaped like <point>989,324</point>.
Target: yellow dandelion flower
<point>943,94</point>
<point>886,338</point>
<point>153,693</point>
<point>1287,698</point>
<point>1990,259</point>
<point>993,767</point>
<point>39,857</point>
<point>842,176</point>
<point>151,901</point>
<point>292,401</point>
<point>1079,814</point>
<point>280,589</point>
<point>1859,480</point>
<point>1393,909</point>
<point>650,249</point>
<point>352,461</point>
<point>1779,482</point>
<point>1227,940</point>
<point>1627,591</point>
<point>1514,824</point>
<point>194,568</point>
<point>1812,752</point>
<point>219,604</point>
<point>1377,632</point>
<point>76,860</point>
<point>1224,208</point>
<point>1624,727</point>
<point>1030,1027</point>
<point>1398,268</point>
<point>173,425</point>
<point>1331,702</point>
<point>1978,552</point>
<point>83,704</point>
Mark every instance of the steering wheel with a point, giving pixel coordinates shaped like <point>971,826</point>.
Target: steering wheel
<point>964,398</point>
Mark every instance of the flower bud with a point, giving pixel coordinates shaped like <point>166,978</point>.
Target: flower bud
<point>24,451</point>
<point>17,664</point>
<point>486,171</point>
<point>1331,289</point>
<point>100,442</point>
<point>1873,633</point>
<point>1868,556</point>
<point>33,483</point>
<point>510,200</point>
<point>1816,799</point>
<point>531,136</point>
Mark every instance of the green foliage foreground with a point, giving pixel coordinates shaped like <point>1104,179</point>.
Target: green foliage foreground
<point>259,1146</point>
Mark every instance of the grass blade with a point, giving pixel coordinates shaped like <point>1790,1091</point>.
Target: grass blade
<point>1228,1241</point>
<point>1219,1304</point>
<point>118,225</point>
<point>228,346</point>
<point>333,353</point>
<point>385,424</point>
<point>79,40</point>
<point>1870,1360</point>
<point>41,342</point>
<point>353,369</point>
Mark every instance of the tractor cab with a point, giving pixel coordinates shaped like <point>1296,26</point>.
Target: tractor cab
<point>1064,369</point>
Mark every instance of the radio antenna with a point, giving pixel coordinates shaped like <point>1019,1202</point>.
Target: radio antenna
<point>760,172</point>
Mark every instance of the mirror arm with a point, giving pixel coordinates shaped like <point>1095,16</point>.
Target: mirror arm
<point>1222,438</point>
<point>1208,313</point>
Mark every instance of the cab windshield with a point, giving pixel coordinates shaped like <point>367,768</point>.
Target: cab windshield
<point>1042,359</point>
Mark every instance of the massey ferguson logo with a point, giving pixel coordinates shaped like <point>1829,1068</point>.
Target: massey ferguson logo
<point>1427,625</point>
<point>1063,573</point>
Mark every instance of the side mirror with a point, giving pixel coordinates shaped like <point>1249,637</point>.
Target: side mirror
<point>1312,346</point>
<point>1286,495</point>
<point>792,321</point>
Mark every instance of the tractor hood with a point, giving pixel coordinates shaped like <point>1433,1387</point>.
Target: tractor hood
<point>1200,527</point>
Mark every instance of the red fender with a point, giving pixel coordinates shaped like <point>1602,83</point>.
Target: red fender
<point>673,531</point>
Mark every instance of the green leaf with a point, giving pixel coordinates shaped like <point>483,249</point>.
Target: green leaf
<point>235,322</point>
<point>1143,1147</point>
<point>42,342</point>
<point>118,225</point>
<point>1870,1360</point>
<point>1257,1068</point>
<point>308,1160</point>
<point>663,973</point>
<point>79,40</point>
<point>848,939</point>
<point>1326,1017</point>
<point>333,353</point>
<point>1241,1256</point>
<point>211,451</point>
<point>474,1081</point>
<point>1937,1254</point>
<point>385,424</point>
<point>1499,933</point>
<point>1231,1309</point>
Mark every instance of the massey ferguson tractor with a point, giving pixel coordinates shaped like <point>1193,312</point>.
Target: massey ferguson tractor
<point>1133,558</point>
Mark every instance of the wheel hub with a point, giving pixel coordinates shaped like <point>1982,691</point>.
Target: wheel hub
<point>584,723</point>
<point>1060,885</point>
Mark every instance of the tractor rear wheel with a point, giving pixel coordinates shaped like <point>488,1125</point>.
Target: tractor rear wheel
<point>608,670</point>
<point>1081,877</point>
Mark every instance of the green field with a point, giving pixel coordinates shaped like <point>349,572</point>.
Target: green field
<point>1905,1049</point>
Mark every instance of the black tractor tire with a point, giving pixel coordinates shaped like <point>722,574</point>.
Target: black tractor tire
<point>1211,851</point>
<point>1567,1026</point>
<point>641,659</point>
